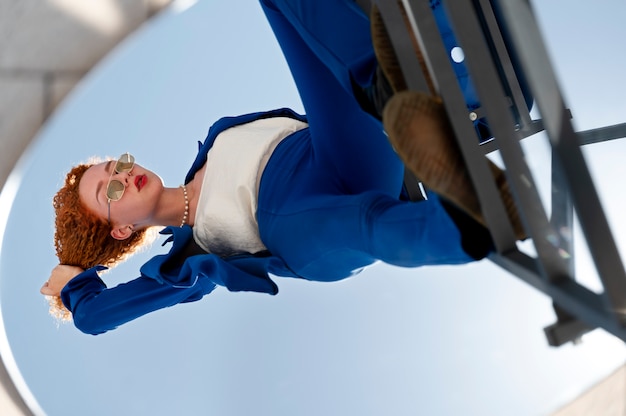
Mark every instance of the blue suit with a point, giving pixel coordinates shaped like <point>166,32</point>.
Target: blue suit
<point>329,199</point>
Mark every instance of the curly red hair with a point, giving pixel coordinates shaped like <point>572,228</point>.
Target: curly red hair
<point>81,238</point>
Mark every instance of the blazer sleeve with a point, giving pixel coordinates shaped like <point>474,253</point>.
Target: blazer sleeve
<point>97,309</point>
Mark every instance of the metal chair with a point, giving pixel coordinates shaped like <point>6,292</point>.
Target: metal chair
<point>508,65</point>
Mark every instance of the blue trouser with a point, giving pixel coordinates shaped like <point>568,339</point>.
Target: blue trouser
<point>329,196</point>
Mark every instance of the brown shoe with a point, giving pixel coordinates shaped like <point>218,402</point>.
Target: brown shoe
<point>386,55</point>
<point>421,134</point>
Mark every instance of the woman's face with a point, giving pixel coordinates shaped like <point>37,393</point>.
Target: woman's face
<point>138,202</point>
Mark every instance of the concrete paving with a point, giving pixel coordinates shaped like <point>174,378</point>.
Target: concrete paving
<point>607,398</point>
<point>46,47</point>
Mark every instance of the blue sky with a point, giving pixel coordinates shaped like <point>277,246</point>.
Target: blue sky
<point>434,341</point>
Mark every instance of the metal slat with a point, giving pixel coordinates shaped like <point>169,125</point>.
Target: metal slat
<point>425,27</point>
<point>603,134</point>
<point>501,122</point>
<point>514,88</point>
<point>565,143</point>
<point>571,299</point>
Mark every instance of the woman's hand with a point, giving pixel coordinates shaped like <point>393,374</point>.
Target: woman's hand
<point>59,277</point>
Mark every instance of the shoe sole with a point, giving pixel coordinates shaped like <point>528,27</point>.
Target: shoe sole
<point>419,131</point>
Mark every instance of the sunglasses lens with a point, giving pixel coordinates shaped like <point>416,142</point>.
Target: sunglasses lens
<point>115,190</point>
<point>125,163</point>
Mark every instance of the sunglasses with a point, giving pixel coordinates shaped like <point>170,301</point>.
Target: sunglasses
<point>116,188</point>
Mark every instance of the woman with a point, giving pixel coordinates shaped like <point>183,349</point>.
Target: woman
<point>274,192</point>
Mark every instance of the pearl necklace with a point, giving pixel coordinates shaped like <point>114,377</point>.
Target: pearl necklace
<point>184,188</point>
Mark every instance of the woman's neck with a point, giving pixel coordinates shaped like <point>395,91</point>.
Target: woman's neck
<point>193,194</point>
<point>174,205</point>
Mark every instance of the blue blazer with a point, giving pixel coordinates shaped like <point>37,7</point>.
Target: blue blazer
<point>184,274</point>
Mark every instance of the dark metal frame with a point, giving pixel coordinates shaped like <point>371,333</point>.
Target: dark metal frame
<point>487,51</point>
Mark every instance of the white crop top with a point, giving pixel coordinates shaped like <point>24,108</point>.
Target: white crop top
<point>225,222</point>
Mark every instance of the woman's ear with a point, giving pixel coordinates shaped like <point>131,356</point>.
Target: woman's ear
<point>122,233</point>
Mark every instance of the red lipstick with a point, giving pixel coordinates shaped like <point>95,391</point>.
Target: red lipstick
<point>140,181</point>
